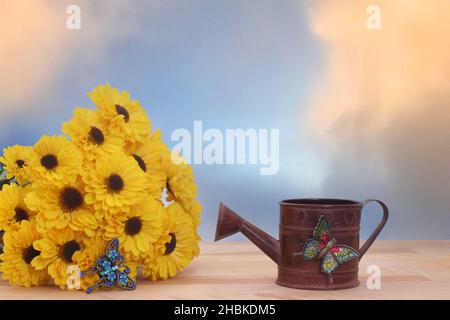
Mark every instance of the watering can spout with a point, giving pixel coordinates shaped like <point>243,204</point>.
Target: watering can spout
<point>228,223</point>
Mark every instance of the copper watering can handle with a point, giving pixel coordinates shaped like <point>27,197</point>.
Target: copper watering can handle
<point>377,230</point>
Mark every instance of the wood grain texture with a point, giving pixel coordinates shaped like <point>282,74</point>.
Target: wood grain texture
<point>225,270</point>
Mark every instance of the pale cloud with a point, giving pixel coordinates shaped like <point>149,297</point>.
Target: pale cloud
<point>36,45</point>
<point>380,112</point>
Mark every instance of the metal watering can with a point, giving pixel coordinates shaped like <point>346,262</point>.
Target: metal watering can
<point>318,246</point>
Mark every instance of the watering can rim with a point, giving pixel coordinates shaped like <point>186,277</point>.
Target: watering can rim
<point>320,202</point>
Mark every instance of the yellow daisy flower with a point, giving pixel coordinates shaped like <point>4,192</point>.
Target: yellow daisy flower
<point>140,228</point>
<point>13,209</point>
<point>55,160</point>
<point>18,255</point>
<point>86,259</point>
<point>90,134</point>
<point>180,184</point>
<point>100,232</point>
<point>195,212</point>
<point>114,185</point>
<point>61,207</point>
<point>196,249</point>
<point>125,117</point>
<point>148,156</point>
<point>59,249</point>
<point>16,160</point>
<point>174,249</point>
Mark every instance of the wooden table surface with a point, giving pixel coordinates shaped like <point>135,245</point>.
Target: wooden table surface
<point>226,270</point>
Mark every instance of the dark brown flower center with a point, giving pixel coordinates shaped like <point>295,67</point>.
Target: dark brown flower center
<point>96,136</point>
<point>68,249</point>
<point>122,111</point>
<point>133,226</point>
<point>115,183</point>
<point>171,245</point>
<point>20,163</point>
<point>49,161</point>
<point>140,162</point>
<point>71,198</point>
<point>21,214</point>
<point>169,190</point>
<point>29,254</point>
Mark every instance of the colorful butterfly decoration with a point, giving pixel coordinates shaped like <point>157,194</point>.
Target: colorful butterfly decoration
<point>324,247</point>
<point>110,269</point>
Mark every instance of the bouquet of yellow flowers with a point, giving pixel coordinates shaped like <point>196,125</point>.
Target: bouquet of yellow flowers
<point>112,177</point>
